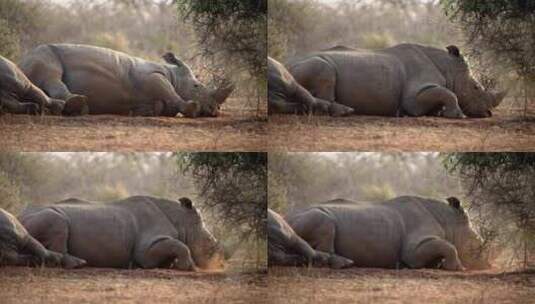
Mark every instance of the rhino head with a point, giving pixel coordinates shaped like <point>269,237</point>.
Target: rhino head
<point>189,88</point>
<point>470,246</point>
<point>205,250</point>
<point>473,98</point>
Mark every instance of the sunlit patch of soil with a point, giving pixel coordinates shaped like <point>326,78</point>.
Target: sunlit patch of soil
<point>509,129</point>
<point>361,285</point>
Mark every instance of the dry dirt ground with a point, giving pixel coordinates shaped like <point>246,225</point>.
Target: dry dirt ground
<point>19,285</point>
<point>293,285</point>
<point>507,130</point>
<point>237,128</point>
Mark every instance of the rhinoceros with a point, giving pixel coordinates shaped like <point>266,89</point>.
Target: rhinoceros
<point>139,231</point>
<point>286,248</point>
<point>18,95</point>
<point>286,96</point>
<point>113,82</point>
<point>406,79</point>
<point>18,248</point>
<point>407,231</point>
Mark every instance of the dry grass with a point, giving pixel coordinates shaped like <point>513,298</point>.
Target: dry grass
<point>507,130</point>
<point>92,285</point>
<point>294,285</point>
<point>238,128</point>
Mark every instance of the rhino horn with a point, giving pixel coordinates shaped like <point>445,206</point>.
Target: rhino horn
<point>498,98</point>
<point>220,94</point>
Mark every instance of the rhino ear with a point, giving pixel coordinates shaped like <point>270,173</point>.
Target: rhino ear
<point>186,202</point>
<point>454,202</point>
<point>170,58</point>
<point>454,50</point>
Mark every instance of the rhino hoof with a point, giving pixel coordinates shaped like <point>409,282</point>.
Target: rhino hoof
<point>76,105</point>
<point>338,262</point>
<point>71,262</point>
<point>338,110</point>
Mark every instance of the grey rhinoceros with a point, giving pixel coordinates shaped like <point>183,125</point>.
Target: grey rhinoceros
<point>113,82</point>
<point>139,231</point>
<point>18,248</point>
<point>286,96</point>
<point>286,248</point>
<point>18,95</point>
<point>407,79</point>
<point>406,231</point>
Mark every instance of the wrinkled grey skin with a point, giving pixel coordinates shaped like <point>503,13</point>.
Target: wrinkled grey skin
<point>139,231</point>
<point>286,248</point>
<point>18,248</point>
<point>286,96</point>
<point>112,82</point>
<point>18,95</point>
<point>407,79</point>
<point>407,231</point>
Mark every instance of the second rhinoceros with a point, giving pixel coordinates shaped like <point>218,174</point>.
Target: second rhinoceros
<point>113,82</point>
<point>407,79</point>
<point>19,248</point>
<point>286,96</point>
<point>139,231</point>
<point>286,248</point>
<point>407,231</point>
<point>18,95</point>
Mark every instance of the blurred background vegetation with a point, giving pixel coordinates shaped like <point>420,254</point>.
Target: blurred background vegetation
<point>45,178</point>
<point>498,46</point>
<point>143,28</point>
<point>497,189</point>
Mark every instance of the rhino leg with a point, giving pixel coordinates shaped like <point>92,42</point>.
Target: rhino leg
<point>430,252</point>
<point>11,105</point>
<point>317,76</point>
<point>51,258</point>
<point>49,227</point>
<point>432,99</point>
<point>278,257</point>
<point>316,228</point>
<point>74,104</point>
<point>165,251</point>
<point>157,87</point>
<point>280,106</point>
<point>13,258</point>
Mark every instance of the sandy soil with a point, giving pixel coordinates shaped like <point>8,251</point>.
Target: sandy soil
<point>301,285</point>
<point>234,129</point>
<point>507,130</point>
<point>44,285</point>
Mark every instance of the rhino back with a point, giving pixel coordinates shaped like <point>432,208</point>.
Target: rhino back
<point>107,234</point>
<point>12,233</point>
<point>280,81</point>
<point>12,80</point>
<point>111,80</point>
<point>370,82</point>
<point>370,235</point>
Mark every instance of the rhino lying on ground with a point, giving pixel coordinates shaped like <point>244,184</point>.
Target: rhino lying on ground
<point>407,79</point>
<point>407,231</point>
<point>286,248</point>
<point>18,95</point>
<point>139,231</point>
<point>18,248</point>
<point>286,96</point>
<point>112,82</point>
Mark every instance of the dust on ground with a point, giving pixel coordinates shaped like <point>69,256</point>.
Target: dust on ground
<point>509,129</point>
<point>98,285</point>
<point>364,285</point>
<point>239,127</point>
